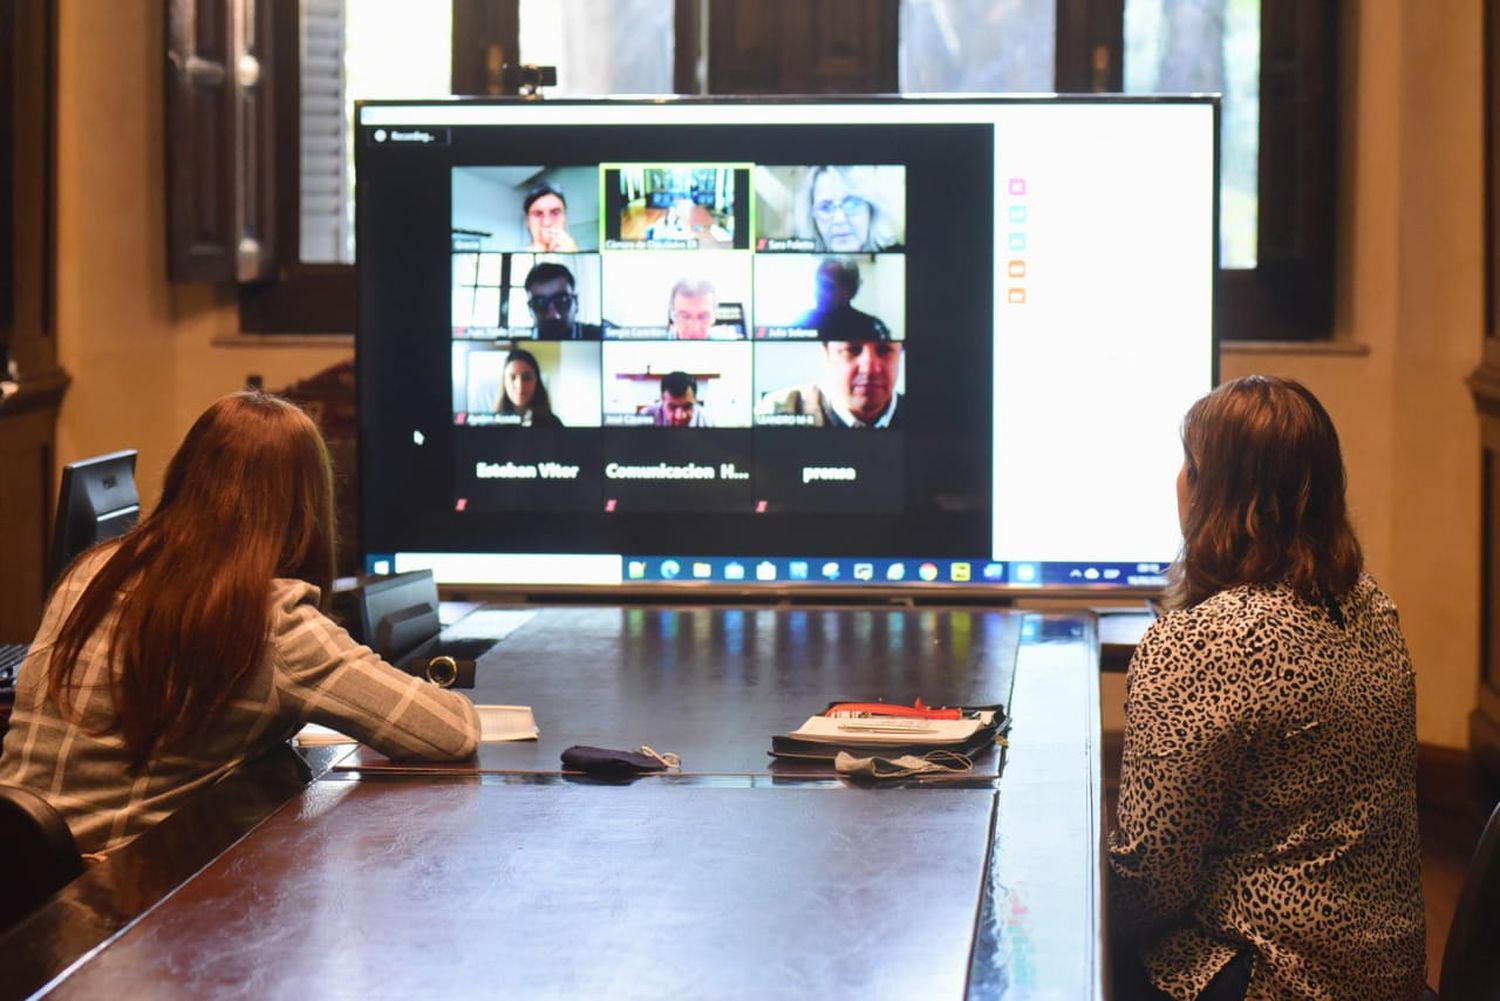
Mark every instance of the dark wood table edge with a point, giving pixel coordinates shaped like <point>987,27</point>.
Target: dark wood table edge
<point>718,780</point>
<point>113,894</point>
<point>987,770</point>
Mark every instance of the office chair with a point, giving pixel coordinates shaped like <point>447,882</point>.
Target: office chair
<point>97,501</point>
<point>1470,972</point>
<point>40,855</point>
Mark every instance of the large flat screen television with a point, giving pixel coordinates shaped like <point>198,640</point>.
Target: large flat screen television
<point>782,345</point>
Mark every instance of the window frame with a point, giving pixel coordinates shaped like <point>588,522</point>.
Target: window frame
<point>1287,297</point>
<point>320,299</point>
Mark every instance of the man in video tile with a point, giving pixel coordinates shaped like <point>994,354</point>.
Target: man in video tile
<point>833,315</point>
<point>679,406</point>
<point>858,388</point>
<point>547,220</point>
<point>552,295</point>
<point>691,309</point>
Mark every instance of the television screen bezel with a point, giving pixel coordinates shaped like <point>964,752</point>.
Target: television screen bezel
<point>719,592</point>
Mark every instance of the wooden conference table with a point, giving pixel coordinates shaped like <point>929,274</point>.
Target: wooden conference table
<point>736,878</point>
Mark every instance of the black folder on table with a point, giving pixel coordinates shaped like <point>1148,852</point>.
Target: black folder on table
<point>786,745</point>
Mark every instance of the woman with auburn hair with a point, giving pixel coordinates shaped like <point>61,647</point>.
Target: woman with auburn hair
<point>197,641</point>
<point>1266,839</point>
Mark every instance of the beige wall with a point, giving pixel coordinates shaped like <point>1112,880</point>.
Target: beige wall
<point>144,361</point>
<point>140,350</point>
<point>1411,292</point>
<point>1411,295</point>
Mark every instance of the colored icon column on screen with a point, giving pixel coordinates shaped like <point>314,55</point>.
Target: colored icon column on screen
<point>1016,214</point>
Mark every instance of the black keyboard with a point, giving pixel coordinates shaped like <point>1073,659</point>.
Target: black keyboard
<point>11,655</point>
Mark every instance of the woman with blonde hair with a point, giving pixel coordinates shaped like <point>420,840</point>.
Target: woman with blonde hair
<point>197,641</point>
<point>852,209</point>
<point>1266,841</point>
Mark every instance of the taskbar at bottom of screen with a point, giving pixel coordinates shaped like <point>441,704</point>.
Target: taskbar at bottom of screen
<point>583,570</point>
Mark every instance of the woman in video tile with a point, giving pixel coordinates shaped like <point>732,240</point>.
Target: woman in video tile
<point>523,392</point>
<point>846,211</point>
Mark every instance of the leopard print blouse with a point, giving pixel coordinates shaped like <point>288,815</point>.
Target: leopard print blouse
<point>1268,798</point>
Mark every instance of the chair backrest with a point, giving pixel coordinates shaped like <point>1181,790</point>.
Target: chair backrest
<point>97,500</point>
<point>40,856</point>
<point>1470,969</point>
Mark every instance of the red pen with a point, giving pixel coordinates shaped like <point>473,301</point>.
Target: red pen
<point>917,710</point>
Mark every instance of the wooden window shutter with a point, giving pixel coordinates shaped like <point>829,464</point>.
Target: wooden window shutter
<point>220,149</point>
<point>324,130</point>
<point>794,47</point>
<point>1291,289</point>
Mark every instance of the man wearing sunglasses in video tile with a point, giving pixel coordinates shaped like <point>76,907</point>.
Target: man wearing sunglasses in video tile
<point>552,295</point>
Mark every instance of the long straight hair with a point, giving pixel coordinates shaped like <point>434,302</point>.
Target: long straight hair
<point>248,497</point>
<point>1267,485</point>
<point>541,403</point>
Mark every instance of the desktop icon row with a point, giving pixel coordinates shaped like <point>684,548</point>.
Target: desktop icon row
<point>816,571</point>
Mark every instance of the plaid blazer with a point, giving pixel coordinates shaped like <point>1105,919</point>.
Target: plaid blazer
<point>312,671</point>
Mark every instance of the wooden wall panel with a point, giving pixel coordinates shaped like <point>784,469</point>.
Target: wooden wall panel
<point>29,403</point>
<point>1484,727</point>
<point>25,509</point>
<point>1484,730</point>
